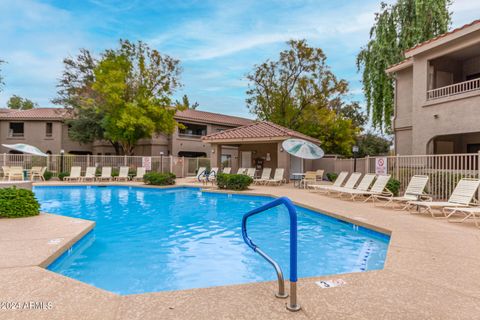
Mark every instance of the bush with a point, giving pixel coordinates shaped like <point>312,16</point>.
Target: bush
<point>332,176</point>
<point>233,181</point>
<point>15,203</point>
<point>159,179</point>
<point>394,186</point>
<point>62,175</point>
<point>48,175</point>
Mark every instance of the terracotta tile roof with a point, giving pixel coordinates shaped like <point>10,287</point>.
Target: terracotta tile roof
<point>210,117</point>
<point>35,114</point>
<point>398,64</point>
<point>262,130</point>
<point>444,35</point>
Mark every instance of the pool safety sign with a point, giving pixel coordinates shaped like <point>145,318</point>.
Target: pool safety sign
<point>381,165</point>
<point>147,163</point>
<point>325,284</point>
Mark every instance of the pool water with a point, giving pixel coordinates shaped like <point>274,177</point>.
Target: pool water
<point>148,240</point>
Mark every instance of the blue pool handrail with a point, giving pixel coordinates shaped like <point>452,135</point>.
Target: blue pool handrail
<point>292,212</point>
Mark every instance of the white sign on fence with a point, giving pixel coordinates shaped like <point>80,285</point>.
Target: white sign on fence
<point>147,163</point>
<point>381,165</point>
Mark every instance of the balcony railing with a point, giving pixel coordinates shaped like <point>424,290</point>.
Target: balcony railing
<point>454,89</point>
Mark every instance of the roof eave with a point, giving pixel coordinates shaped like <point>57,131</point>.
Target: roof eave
<point>400,66</point>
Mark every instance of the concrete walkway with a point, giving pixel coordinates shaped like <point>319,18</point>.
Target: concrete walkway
<point>432,272</point>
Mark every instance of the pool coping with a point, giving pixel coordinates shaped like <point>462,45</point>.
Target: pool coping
<point>417,246</point>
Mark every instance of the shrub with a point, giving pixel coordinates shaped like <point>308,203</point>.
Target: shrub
<point>48,175</point>
<point>233,181</point>
<point>394,186</point>
<point>62,175</point>
<point>159,179</point>
<point>332,176</point>
<point>15,203</point>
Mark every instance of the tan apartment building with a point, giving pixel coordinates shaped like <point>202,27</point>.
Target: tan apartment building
<point>46,129</point>
<point>437,95</point>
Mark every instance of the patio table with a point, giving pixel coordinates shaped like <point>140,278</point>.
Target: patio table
<point>297,179</point>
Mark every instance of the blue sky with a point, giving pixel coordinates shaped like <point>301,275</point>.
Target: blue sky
<point>218,42</point>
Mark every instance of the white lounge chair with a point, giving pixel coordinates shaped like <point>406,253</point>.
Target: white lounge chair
<point>251,172</point>
<point>90,174</point>
<point>309,178</point>
<point>6,172</point>
<point>75,174</point>
<point>140,173</point>
<point>414,192</point>
<point>122,174</point>
<point>469,212</point>
<point>278,178</point>
<point>337,183</point>
<point>461,197</point>
<point>106,174</point>
<point>320,173</point>
<point>15,173</point>
<point>200,173</point>
<point>378,188</point>
<point>363,186</point>
<point>37,173</point>
<point>266,173</point>
<point>227,170</point>
<point>241,171</point>
<point>349,185</point>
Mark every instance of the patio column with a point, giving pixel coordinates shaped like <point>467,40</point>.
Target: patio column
<point>283,160</point>
<point>215,155</point>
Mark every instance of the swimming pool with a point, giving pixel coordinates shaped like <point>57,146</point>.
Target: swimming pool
<point>148,240</point>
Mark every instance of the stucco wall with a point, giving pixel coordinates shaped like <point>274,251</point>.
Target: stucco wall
<point>34,134</point>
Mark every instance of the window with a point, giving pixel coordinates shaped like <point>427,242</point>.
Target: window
<point>48,129</point>
<point>192,130</point>
<point>16,129</point>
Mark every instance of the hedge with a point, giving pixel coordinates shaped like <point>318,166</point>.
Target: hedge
<point>159,179</point>
<point>332,176</point>
<point>394,186</point>
<point>233,181</point>
<point>16,203</point>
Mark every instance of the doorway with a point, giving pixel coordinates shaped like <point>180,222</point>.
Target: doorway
<point>246,159</point>
<point>296,166</point>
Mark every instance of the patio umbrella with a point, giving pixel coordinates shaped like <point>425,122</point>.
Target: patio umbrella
<point>302,149</point>
<point>25,148</point>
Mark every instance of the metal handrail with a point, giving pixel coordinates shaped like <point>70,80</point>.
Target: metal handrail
<point>293,305</point>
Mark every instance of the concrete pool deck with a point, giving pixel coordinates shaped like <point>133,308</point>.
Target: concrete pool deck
<point>432,271</point>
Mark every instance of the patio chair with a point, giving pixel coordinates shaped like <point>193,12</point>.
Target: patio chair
<point>15,173</point>
<point>140,173</point>
<point>251,172</point>
<point>74,174</point>
<point>90,174</point>
<point>122,174</point>
<point>309,178</point>
<point>470,212</point>
<point>379,188</point>
<point>278,178</point>
<point>461,197</point>
<point>106,174</point>
<point>319,174</point>
<point>350,184</point>
<point>37,173</point>
<point>200,173</point>
<point>414,192</point>
<point>265,176</point>
<point>364,185</point>
<point>6,172</point>
<point>227,170</point>
<point>241,171</point>
<point>337,183</point>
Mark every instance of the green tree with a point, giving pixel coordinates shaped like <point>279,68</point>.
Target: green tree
<point>370,144</point>
<point>123,96</point>
<point>300,92</point>
<point>185,103</point>
<point>397,28</point>
<point>19,103</point>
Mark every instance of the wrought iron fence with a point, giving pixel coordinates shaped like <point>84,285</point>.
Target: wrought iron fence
<point>181,166</point>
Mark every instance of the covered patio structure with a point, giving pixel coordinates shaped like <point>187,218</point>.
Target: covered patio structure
<point>260,146</point>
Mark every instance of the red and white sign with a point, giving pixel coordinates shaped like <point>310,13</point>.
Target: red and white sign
<point>147,163</point>
<point>381,165</point>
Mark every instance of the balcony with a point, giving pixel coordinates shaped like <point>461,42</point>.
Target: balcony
<point>190,135</point>
<point>454,89</point>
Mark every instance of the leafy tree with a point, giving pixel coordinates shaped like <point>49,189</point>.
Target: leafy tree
<point>123,96</point>
<point>19,103</point>
<point>300,92</point>
<point>185,103</point>
<point>397,27</point>
<point>370,144</point>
